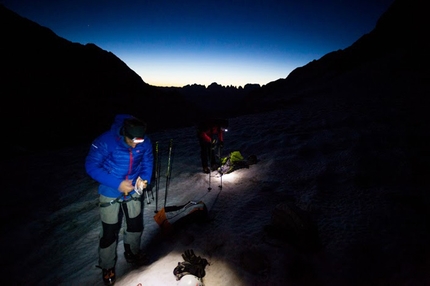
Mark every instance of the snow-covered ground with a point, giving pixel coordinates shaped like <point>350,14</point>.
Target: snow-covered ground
<point>348,169</point>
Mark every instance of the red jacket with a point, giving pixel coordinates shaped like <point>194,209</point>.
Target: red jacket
<point>214,132</point>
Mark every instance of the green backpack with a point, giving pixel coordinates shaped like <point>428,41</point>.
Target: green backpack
<point>231,162</point>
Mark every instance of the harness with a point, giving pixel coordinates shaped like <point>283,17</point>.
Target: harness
<point>119,200</point>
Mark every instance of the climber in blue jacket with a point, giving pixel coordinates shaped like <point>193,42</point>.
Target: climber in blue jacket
<point>121,160</point>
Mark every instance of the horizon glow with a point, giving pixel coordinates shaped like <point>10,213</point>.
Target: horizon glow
<point>232,43</point>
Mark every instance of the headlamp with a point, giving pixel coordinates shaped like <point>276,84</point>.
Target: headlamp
<point>137,140</point>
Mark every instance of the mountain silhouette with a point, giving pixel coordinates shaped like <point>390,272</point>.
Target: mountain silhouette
<point>396,46</point>
<point>62,93</point>
<point>59,92</point>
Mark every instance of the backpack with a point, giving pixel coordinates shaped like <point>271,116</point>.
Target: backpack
<point>235,161</point>
<point>171,218</point>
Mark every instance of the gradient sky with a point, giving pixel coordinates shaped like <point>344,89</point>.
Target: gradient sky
<point>175,43</point>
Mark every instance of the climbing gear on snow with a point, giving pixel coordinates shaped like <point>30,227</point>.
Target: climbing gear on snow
<point>193,264</point>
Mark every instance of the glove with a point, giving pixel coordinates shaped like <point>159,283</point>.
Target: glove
<point>190,257</point>
<point>186,268</point>
<point>193,264</point>
<point>214,142</point>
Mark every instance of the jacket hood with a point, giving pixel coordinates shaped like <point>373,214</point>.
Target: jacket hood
<point>118,123</point>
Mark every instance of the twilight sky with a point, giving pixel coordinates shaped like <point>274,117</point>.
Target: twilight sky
<point>230,42</point>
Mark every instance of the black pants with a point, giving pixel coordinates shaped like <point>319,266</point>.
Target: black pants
<point>207,154</point>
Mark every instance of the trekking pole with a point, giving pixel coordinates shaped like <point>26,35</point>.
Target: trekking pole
<point>210,167</point>
<point>169,171</point>
<point>147,196</point>
<point>209,187</point>
<point>219,158</point>
<point>156,176</point>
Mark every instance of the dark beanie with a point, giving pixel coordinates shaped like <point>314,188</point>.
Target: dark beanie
<point>134,128</point>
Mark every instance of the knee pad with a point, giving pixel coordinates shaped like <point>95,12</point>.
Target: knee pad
<point>135,224</point>
<point>110,234</point>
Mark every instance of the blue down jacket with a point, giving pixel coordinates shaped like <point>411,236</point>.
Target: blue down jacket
<point>110,160</point>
